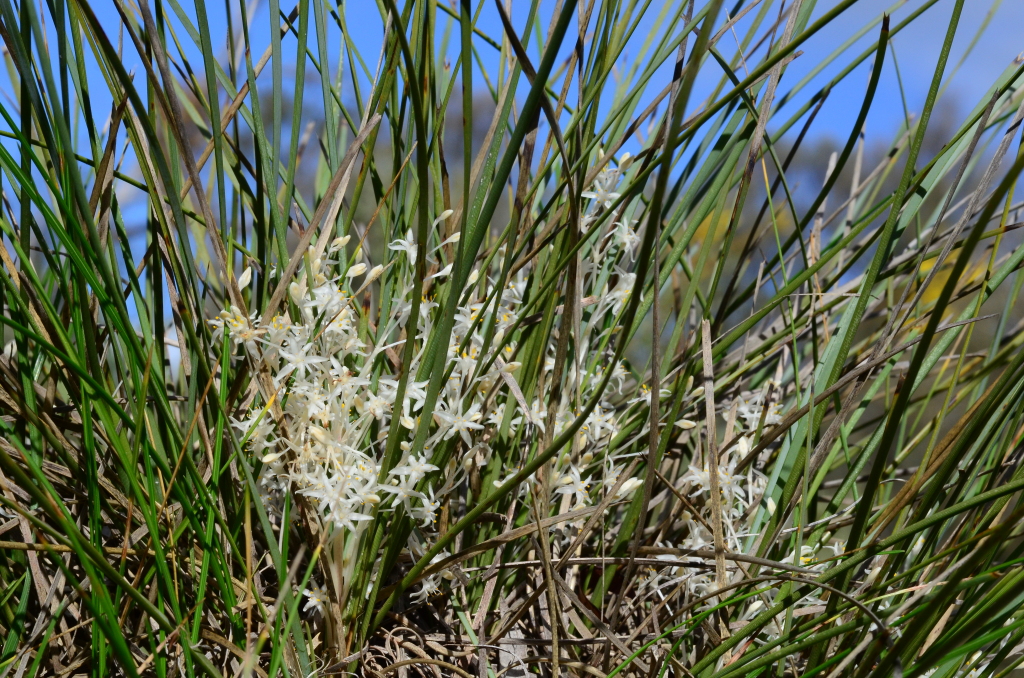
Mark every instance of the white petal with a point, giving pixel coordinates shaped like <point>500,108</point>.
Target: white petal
<point>246,277</point>
<point>443,273</point>
<point>443,216</point>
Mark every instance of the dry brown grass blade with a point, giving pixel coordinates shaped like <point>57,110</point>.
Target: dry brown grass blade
<point>721,578</point>
<point>554,619</point>
<point>61,548</point>
<point>215,637</point>
<point>597,560</point>
<point>104,180</point>
<point>425,660</point>
<point>478,162</point>
<point>598,624</point>
<point>708,554</point>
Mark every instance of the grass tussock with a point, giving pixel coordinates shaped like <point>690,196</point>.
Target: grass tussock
<point>322,362</point>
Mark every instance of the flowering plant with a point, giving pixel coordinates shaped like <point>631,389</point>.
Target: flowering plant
<point>548,342</point>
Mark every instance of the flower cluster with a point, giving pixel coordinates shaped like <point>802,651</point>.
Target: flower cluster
<point>339,383</point>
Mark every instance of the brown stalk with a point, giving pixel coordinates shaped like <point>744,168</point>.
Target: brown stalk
<point>553,605</point>
<point>712,457</point>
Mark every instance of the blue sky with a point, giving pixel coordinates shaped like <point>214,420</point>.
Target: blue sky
<point>915,50</point>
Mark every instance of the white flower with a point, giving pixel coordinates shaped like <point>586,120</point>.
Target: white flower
<point>316,599</point>
<point>377,406</point>
<point>645,395</point>
<point>571,483</point>
<point>426,513</point>
<point>336,365</point>
<point>749,410</point>
<point>462,422</point>
<point>404,491</point>
<point>602,192</point>
<point>408,246</point>
<point>428,587</point>
<point>345,515</point>
<point>415,469</point>
<point>625,237</point>
<point>620,293</point>
<point>299,362</point>
<point>242,330</point>
<point>629,486</point>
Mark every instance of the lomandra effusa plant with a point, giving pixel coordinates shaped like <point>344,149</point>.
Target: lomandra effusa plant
<point>543,339</point>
